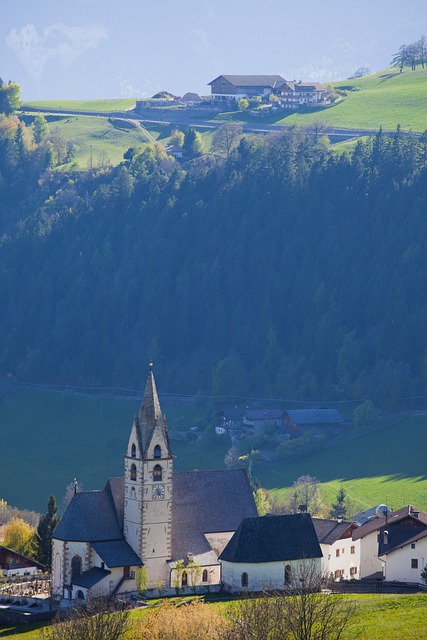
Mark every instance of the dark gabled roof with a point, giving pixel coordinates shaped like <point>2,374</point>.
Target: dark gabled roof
<point>252,81</point>
<point>264,414</point>
<point>232,414</point>
<point>395,544</point>
<point>329,531</point>
<point>25,560</point>
<point>116,488</point>
<point>207,502</point>
<point>117,553</point>
<point>91,577</point>
<point>392,518</point>
<point>90,516</point>
<point>398,535</point>
<point>273,539</point>
<point>315,416</point>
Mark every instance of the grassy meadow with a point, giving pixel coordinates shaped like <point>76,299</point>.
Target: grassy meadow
<point>383,99</point>
<point>112,104</point>
<point>56,437</point>
<point>395,617</point>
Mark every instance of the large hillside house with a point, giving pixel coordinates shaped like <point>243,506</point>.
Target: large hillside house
<point>151,516</point>
<point>237,87</point>
<point>291,94</point>
<point>294,95</point>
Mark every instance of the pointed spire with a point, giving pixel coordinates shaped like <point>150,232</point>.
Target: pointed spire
<point>150,414</point>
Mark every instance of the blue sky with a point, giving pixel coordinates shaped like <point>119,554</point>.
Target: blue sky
<point>58,49</point>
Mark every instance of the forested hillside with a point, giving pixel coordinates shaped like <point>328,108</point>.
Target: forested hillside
<point>285,270</point>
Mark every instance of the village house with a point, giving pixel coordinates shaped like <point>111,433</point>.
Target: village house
<point>326,421</point>
<point>403,561</point>
<point>152,517</point>
<point>294,95</point>
<point>226,87</point>
<point>258,419</point>
<point>341,554</point>
<point>15,564</point>
<point>266,552</point>
<point>383,536</point>
<point>291,94</point>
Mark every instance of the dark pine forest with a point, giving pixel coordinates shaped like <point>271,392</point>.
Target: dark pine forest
<point>285,270</point>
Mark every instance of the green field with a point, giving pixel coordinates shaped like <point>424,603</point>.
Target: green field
<point>113,104</point>
<point>395,617</point>
<point>383,99</point>
<point>384,466</point>
<point>56,437</point>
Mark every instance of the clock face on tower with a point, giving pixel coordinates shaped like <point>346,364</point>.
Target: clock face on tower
<point>158,492</point>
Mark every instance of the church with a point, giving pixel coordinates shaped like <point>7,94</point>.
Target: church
<point>154,517</point>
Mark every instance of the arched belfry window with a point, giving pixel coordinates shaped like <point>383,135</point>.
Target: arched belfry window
<point>133,451</point>
<point>157,451</point>
<point>133,472</point>
<point>76,567</point>
<point>157,473</point>
<point>245,579</point>
<point>288,574</point>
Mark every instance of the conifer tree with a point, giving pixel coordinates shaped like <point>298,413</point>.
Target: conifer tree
<point>45,529</point>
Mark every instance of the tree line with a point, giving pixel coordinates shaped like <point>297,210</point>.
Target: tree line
<point>409,55</point>
<point>274,267</point>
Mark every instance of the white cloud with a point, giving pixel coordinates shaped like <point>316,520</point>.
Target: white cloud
<point>56,41</point>
<point>128,90</point>
<point>198,40</point>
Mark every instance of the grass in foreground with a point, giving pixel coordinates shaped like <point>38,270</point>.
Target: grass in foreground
<point>391,616</point>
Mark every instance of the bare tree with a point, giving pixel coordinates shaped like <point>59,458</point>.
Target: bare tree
<point>306,495</point>
<point>225,139</point>
<point>97,620</point>
<point>302,612</point>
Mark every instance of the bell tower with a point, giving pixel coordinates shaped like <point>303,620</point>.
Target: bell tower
<point>148,486</point>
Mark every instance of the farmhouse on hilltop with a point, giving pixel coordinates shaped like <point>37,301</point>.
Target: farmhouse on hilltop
<point>151,517</point>
<point>291,94</point>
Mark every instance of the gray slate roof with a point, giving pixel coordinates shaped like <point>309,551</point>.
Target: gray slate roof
<point>90,516</point>
<point>273,539</point>
<point>264,414</point>
<point>207,502</point>
<point>91,577</point>
<point>117,553</point>
<point>253,81</point>
<point>315,416</point>
<point>392,518</point>
<point>329,531</point>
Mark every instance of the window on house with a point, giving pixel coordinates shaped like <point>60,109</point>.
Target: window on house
<point>337,553</point>
<point>413,545</point>
<point>385,537</point>
<point>353,571</point>
<point>184,579</point>
<point>76,567</point>
<point>245,579</point>
<point>352,550</point>
<point>414,563</point>
<point>133,472</point>
<point>157,473</point>
<point>133,451</point>
<point>288,574</point>
<point>157,451</point>
<point>338,574</point>
<point>205,575</point>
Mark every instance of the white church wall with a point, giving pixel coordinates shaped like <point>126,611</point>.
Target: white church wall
<point>260,575</point>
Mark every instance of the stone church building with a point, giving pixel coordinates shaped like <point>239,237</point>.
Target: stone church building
<point>152,517</point>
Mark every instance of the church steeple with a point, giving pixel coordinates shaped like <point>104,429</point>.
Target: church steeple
<point>148,484</point>
<point>150,417</point>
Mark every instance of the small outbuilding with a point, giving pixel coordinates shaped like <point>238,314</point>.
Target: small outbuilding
<point>267,552</point>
